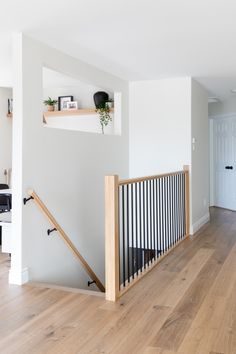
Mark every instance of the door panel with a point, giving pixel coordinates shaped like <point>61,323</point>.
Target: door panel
<point>225,155</point>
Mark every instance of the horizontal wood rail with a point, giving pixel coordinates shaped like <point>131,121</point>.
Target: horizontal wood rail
<point>72,112</point>
<point>146,218</point>
<point>65,238</point>
<point>123,182</point>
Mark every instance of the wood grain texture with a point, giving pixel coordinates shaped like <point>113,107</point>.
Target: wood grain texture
<point>162,314</point>
<point>112,260</point>
<point>123,182</point>
<point>72,112</point>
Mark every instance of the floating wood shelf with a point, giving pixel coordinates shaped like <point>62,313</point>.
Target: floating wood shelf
<point>72,112</point>
<point>9,115</point>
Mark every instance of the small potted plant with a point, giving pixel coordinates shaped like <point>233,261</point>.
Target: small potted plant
<point>104,114</point>
<point>50,104</point>
<point>109,103</point>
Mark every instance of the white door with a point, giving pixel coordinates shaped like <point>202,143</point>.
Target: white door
<point>225,162</point>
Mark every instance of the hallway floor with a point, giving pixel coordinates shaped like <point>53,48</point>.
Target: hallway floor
<point>186,305</point>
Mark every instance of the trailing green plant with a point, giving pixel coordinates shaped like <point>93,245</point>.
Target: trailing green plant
<point>50,102</point>
<point>104,115</point>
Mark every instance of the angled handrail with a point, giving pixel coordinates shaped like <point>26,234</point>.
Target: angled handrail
<point>65,238</point>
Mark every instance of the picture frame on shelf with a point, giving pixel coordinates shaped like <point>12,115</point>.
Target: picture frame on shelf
<point>72,105</point>
<point>62,102</point>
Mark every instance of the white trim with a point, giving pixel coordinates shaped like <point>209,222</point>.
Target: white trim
<point>18,277</point>
<point>212,163</point>
<point>198,224</point>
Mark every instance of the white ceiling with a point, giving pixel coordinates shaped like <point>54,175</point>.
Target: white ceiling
<point>134,39</point>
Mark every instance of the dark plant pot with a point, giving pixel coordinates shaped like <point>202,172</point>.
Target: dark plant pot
<point>100,98</point>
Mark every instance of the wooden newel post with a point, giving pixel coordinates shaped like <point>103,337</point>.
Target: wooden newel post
<point>187,200</point>
<point>111,238</point>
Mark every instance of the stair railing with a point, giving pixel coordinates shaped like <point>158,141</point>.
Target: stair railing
<point>64,236</point>
<point>146,218</point>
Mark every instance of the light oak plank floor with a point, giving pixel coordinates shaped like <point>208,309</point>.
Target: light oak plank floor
<point>186,305</point>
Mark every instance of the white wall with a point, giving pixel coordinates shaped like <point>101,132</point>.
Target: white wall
<point>200,156</point>
<point>164,116</point>
<point>85,123</point>
<point>160,126</point>
<point>5,134</point>
<point>56,84</point>
<point>65,168</point>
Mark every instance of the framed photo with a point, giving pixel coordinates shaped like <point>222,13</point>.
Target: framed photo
<point>72,105</point>
<point>62,102</point>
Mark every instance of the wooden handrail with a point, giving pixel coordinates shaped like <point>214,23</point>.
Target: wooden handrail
<point>65,238</point>
<point>148,178</point>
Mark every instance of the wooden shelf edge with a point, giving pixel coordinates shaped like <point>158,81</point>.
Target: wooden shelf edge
<point>76,112</point>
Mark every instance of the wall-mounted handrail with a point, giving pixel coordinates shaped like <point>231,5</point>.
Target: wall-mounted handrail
<point>65,238</point>
<point>146,218</point>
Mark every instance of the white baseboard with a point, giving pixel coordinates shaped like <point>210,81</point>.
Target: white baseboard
<point>198,224</point>
<point>18,277</point>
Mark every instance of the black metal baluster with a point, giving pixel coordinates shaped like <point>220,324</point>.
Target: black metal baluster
<point>162,215</point>
<point>171,211</point>
<point>179,207</point>
<point>123,226</point>
<point>140,227</point>
<point>154,214</point>
<point>144,226</point>
<point>128,250</point>
<point>182,214</point>
<point>150,217</point>
<point>166,226</point>
<point>174,205</point>
<point>167,211</point>
<point>119,231</point>
<point>132,228</point>
<point>157,221</point>
<point>136,223</point>
<point>147,221</point>
<point>177,191</point>
<point>184,207</point>
<point>159,215</point>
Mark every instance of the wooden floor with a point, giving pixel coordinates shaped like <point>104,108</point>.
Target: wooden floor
<point>186,305</point>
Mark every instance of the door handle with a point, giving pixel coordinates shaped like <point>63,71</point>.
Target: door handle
<point>229,167</point>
